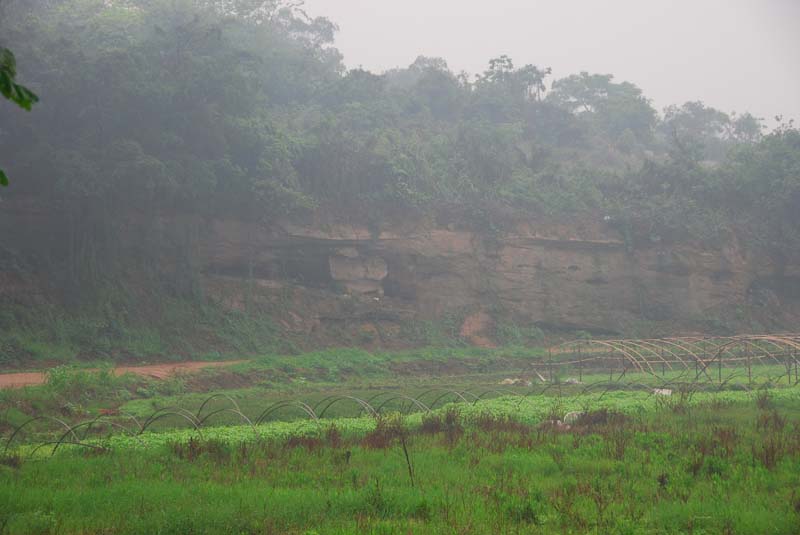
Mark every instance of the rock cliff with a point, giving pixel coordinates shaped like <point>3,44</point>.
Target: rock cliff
<point>570,277</point>
<point>327,281</point>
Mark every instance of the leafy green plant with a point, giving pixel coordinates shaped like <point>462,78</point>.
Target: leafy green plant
<point>11,90</point>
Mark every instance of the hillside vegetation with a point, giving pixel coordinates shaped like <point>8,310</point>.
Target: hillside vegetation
<point>220,107</point>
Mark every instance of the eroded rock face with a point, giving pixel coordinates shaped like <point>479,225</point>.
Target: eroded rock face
<point>358,273</point>
<point>350,278</point>
<point>577,277</point>
<point>477,328</point>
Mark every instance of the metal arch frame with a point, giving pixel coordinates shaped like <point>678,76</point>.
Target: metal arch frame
<point>132,417</point>
<point>372,398</point>
<point>237,412</point>
<point>59,442</point>
<point>544,389</point>
<point>641,352</point>
<point>672,344</point>
<point>459,395</point>
<point>606,343</point>
<point>676,352</point>
<point>690,345</point>
<point>623,348</point>
<point>658,351</point>
<point>34,419</point>
<point>761,354</point>
<point>364,405</point>
<point>163,412</point>
<point>728,379</point>
<point>414,401</point>
<point>560,349</point>
<point>500,393</point>
<point>88,424</point>
<point>216,396</point>
<point>702,350</point>
<point>647,346</point>
<point>286,403</point>
<point>791,340</point>
<point>786,345</point>
<point>751,342</point>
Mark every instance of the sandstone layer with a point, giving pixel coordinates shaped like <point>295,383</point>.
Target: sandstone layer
<point>328,281</point>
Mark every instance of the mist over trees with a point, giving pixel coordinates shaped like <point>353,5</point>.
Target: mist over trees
<point>245,108</point>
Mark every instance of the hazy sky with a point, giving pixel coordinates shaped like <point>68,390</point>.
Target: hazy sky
<point>732,54</point>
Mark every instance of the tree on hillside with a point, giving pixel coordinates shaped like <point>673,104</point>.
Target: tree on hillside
<point>612,107</point>
<point>527,81</point>
<point>745,128</point>
<point>430,85</point>
<point>761,186</point>
<point>205,108</point>
<point>713,131</point>
<point>697,124</point>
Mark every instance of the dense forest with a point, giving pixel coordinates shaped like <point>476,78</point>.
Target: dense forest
<point>245,107</point>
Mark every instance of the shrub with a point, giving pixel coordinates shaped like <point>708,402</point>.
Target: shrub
<point>388,429</point>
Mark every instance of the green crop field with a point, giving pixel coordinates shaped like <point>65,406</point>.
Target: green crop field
<point>380,452</point>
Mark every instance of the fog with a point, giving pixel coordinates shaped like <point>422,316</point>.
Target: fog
<point>332,299</point>
<point>735,55</point>
<point>177,180</point>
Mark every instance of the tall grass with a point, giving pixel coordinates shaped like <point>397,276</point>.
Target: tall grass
<point>660,472</point>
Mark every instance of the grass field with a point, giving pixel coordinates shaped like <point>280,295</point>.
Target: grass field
<point>712,459</point>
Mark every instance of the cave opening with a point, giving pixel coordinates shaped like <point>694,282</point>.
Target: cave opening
<point>305,266</point>
<point>400,279</point>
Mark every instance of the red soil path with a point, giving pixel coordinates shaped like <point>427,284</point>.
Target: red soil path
<point>155,371</point>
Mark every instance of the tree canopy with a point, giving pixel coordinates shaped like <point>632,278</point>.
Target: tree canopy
<point>244,107</point>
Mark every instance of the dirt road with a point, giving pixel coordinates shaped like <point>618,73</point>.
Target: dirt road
<point>155,371</point>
